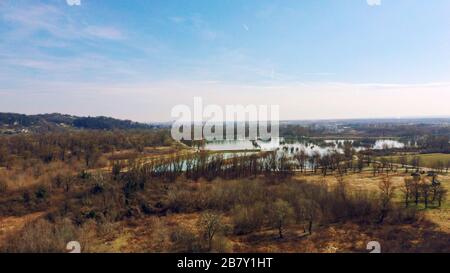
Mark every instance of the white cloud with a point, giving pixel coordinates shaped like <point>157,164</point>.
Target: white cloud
<point>373,2</point>
<point>51,19</point>
<point>73,2</point>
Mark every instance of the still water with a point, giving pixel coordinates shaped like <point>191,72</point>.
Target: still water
<point>310,147</point>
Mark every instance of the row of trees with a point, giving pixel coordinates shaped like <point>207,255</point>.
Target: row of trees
<point>205,165</point>
<point>418,190</point>
<point>274,163</point>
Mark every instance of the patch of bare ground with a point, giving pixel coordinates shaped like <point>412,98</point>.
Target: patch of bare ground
<point>11,224</point>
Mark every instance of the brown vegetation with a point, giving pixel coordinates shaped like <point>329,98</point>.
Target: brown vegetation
<point>202,202</point>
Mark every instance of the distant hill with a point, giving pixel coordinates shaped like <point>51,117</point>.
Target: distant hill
<point>16,123</point>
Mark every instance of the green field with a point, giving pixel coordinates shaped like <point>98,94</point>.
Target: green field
<point>426,160</point>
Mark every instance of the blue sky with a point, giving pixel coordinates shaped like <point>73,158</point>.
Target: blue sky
<point>137,59</point>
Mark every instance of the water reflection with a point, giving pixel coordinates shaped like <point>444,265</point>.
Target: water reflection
<point>383,144</point>
<point>310,147</point>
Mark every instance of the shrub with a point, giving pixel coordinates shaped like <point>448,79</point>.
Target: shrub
<point>116,169</point>
<point>221,244</point>
<point>281,215</point>
<point>41,193</point>
<point>184,241</point>
<point>225,194</point>
<point>159,239</point>
<point>403,215</point>
<point>97,188</point>
<point>248,219</point>
<point>42,236</point>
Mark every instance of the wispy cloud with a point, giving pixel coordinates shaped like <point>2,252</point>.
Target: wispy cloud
<point>197,25</point>
<point>73,2</point>
<point>45,38</point>
<point>53,21</point>
<point>373,2</point>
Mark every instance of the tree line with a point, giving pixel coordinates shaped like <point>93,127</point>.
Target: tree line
<point>86,146</point>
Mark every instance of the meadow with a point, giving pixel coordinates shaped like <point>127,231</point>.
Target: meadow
<point>432,160</point>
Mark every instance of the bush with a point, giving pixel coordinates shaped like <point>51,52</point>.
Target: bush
<point>41,193</point>
<point>42,236</point>
<point>248,219</point>
<point>221,244</point>
<point>225,194</point>
<point>116,169</point>
<point>281,215</point>
<point>188,199</point>
<point>184,241</point>
<point>403,215</point>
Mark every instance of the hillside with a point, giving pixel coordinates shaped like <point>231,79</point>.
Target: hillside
<point>12,123</point>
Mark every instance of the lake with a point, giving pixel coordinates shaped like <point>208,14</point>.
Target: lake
<point>309,146</point>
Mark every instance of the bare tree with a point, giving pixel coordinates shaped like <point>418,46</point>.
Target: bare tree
<point>210,224</point>
<point>386,194</point>
<point>360,162</point>
<point>415,186</point>
<point>425,189</point>
<point>341,186</point>
<point>309,213</point>
<point>415,162</point>
<point>441,195</point>
<point>301,157</point>
<point>403,161</point>
<point>407,191</point>
<point>281,214</point>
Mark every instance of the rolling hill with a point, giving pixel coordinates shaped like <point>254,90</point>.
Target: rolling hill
<point>11,123</point>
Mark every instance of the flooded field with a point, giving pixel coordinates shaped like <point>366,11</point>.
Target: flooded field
<point>308,146</point>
